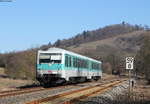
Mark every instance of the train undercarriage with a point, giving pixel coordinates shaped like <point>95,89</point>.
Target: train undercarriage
<point>47,80</point>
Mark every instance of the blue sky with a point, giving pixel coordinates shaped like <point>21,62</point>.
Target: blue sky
<point>30,23</point>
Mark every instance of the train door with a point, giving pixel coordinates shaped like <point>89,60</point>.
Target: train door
<point>78,68</point>
<point>89,70</point>
<point>78,71</point>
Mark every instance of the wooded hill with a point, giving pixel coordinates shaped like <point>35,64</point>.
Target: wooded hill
<point>109,44</point>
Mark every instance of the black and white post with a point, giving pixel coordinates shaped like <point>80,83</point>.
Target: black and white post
<point>129,67</point>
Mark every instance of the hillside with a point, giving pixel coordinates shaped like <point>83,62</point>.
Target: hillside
<point>111,42</point>
<point>127,44</point>
<point>98,34</point>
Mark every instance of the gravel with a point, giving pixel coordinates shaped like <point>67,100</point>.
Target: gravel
<point>108,96</point>
<point>23,98</point>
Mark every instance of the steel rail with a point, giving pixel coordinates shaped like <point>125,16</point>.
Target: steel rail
<point>55,97</point>
<point>30,90</point>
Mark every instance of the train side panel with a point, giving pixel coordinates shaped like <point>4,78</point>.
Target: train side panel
<point>57,64</point>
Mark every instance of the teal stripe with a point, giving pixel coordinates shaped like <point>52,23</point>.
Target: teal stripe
<point>61,67</point>
<point>49,67</point>
<point>81,69</point>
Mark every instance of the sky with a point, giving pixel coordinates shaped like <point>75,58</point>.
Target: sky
<point>27,24</point>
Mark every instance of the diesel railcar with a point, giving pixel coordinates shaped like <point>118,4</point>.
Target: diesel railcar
<point>57,65</point>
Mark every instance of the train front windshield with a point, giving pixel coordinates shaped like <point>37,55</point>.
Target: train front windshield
<point>50,58</point>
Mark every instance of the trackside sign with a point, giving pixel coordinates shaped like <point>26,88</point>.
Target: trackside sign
<point>129,63</point>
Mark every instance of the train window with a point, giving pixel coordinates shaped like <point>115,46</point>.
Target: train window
<point>76,63</point>
<point>77,60</point>
<point>66,61</point>
<point>95,66</point>
<point>73,62</point>
<point>92,66</point>
<point>85,64</point>
<point>70,61</point>
<point>79,63</point>
<point>82,63</point>
<point>45,58</point>
<point>44,61</point>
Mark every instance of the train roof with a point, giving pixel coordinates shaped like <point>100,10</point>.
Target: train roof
<point>59,50</point>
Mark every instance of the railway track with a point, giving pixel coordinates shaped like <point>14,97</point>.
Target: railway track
<point>70,97</point>
<point>29,90</point>
<point>19,91</point>
<point>34,89</point>
<point>23,96</point>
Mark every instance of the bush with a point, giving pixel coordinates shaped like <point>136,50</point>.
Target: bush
<point>21,64</point>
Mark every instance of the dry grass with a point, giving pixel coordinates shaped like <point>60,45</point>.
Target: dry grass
<point>142,88</point>
<point>139,93</point>
<point>2,71</point>
<point>10,84</point>
<point>108,76</point>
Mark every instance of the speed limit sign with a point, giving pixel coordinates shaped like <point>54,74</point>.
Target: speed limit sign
<point>129,62</point>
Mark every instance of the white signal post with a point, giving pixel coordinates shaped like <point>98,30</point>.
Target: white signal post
<point>129,67</point>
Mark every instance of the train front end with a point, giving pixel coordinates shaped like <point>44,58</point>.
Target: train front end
<point>49,65</point>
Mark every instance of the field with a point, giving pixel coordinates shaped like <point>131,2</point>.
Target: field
<point>10,84</point>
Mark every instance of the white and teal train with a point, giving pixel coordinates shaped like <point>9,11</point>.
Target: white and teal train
<point>57,65</point>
